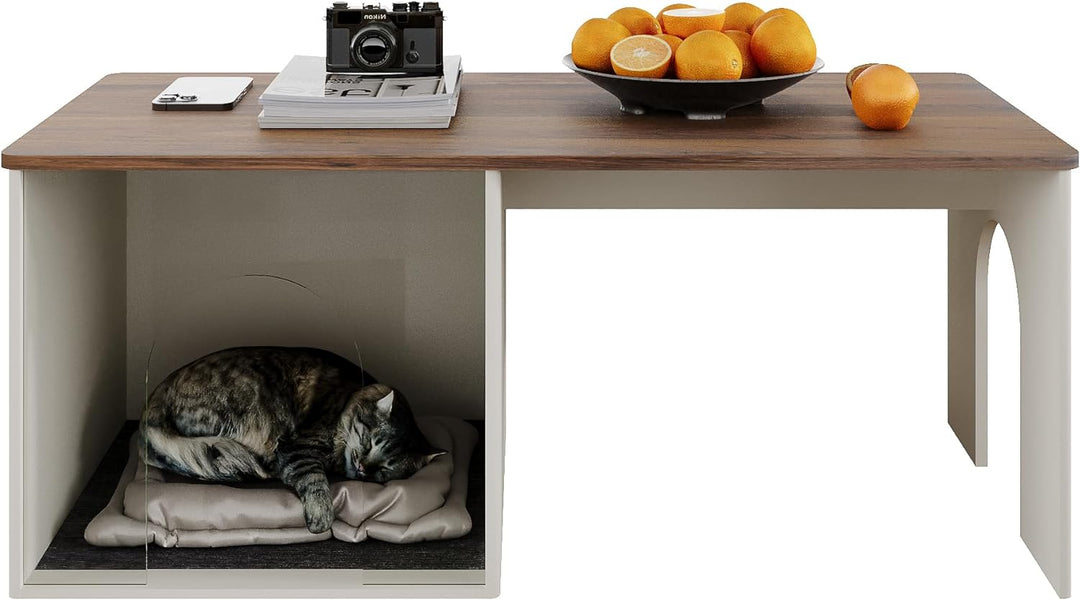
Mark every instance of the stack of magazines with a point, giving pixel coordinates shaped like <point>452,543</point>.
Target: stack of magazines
<point>305,96</point>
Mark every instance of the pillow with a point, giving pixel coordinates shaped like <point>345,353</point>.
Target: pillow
<point>151,505</point>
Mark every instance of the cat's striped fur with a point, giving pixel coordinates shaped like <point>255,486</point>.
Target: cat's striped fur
<point>297,414</point>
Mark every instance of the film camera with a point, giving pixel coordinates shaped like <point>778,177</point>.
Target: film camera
<point>407,39</point>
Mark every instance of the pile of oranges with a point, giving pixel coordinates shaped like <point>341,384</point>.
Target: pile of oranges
<point>740,42</point>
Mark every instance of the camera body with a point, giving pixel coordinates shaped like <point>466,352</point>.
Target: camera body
<point>407,39</point>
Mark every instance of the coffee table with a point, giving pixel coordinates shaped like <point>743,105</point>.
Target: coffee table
<point>520,141</point>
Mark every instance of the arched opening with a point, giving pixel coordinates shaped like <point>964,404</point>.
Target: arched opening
<point>1003,373</point>
<point>997,346</point>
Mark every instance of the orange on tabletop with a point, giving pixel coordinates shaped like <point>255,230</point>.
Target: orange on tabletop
<point>637,20</point>
<point>854,74</point>
<point>708,55</point>
<point>783,45</point>
<point>591,48</point>
<point>884,97</point>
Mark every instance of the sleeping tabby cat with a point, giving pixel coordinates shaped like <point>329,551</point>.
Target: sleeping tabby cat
<point>297,414</point>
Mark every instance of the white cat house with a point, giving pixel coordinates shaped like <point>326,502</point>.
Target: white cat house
<point>123,276</point>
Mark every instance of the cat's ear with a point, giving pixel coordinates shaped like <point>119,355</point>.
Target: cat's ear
<point>385,406</point>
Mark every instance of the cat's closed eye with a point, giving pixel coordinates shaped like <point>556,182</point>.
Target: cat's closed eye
<point>353,466</point>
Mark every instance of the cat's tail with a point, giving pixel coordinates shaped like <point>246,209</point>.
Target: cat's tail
<point>207,457</point>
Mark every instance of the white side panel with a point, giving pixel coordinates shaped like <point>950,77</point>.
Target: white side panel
<point>1037,226</point>
<point>16,573</point>
<point>395,257</point>
<point>73,326</point>
<point>495,373</point>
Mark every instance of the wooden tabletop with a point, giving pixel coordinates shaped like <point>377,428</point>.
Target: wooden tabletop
<point>549,121</point>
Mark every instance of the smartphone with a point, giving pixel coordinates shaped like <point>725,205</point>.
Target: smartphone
<point>203,93</point>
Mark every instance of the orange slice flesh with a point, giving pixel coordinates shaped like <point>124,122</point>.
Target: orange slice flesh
<point>641,56</point>
<point>685,22</point>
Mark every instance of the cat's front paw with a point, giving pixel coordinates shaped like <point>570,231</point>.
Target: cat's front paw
<point>318,511</point>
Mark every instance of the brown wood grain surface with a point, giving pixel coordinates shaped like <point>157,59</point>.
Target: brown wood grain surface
<point>549,121</point>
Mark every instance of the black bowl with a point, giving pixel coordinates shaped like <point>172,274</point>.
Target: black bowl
<point>695,99</point>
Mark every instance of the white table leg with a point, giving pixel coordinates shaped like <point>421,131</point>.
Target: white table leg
<point>1037,228</point>
<point>494,374</point>
<point>970,232</point>
<point>18,572</point>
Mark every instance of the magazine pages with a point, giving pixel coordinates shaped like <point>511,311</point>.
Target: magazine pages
<point>304,95</point>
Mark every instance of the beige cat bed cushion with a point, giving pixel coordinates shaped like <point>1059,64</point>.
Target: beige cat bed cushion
<point>179,512</point>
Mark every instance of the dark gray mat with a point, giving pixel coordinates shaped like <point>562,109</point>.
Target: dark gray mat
<point>68,550</point>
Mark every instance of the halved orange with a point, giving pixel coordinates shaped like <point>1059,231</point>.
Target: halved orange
<point>641,56</point>
<point>685,22</point>
<point>660,15</point>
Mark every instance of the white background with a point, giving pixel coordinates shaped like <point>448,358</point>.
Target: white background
<point>729,404</point>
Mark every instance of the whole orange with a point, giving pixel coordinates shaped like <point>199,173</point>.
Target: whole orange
<point>742,40</point>
<point>741,16</point>
<point>660,15</point>
<point>591,48</point>
<point>884,97</point>
<point>782,45</point>
<point>674,41</point>
<point>639,21</point>
<point>770,14</point>
<point>708,54</point>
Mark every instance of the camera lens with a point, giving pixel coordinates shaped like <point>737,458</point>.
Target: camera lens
<point>374,46</point>
<point>373,49</point>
